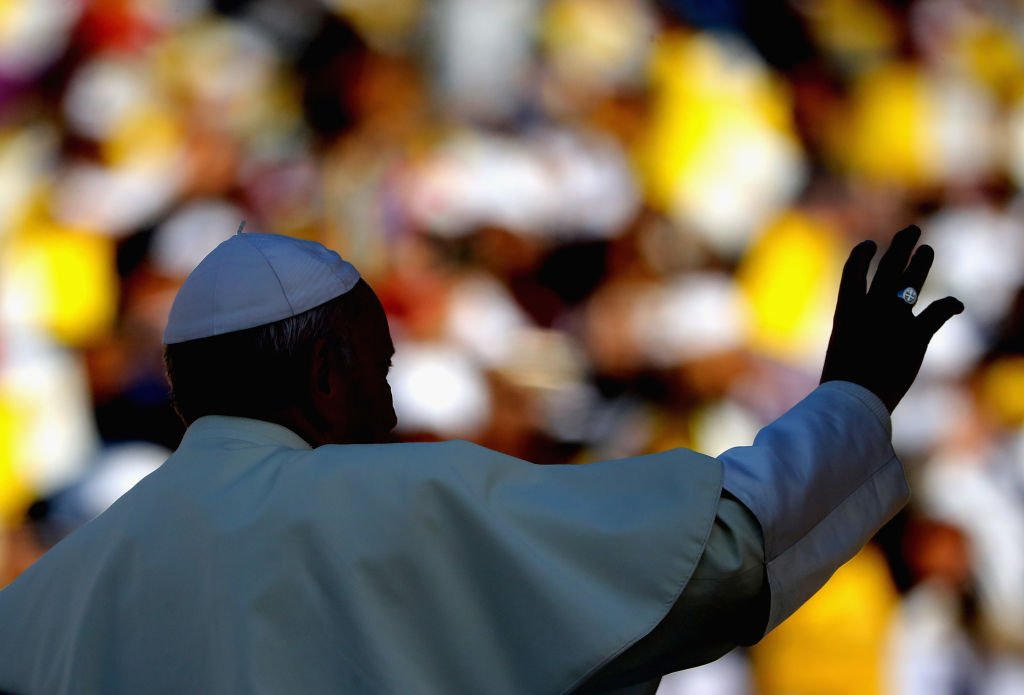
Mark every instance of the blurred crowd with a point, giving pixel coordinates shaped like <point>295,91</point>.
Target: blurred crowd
<point>600,228</point>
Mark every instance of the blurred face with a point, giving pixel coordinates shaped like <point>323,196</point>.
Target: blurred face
<point>363,411</point>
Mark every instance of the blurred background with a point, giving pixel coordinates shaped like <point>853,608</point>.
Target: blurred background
<point>601,228</point>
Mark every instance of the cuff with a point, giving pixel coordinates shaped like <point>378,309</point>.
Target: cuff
<point>797,573</point>
<point>865,396</point>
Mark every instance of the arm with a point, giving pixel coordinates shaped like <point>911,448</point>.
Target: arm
<point>815,485</point>
<point>828,477</point>
<point>821,480</point>
<point>802,500</point>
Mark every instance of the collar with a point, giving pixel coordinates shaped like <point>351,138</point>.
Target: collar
<point>256,432</point>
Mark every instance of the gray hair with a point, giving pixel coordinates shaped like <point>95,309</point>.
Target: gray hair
<point>289,336</point>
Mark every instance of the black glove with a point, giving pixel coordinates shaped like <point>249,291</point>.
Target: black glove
<point>877,341</point>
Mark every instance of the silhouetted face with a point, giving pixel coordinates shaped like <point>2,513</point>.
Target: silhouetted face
<point>364,411</point>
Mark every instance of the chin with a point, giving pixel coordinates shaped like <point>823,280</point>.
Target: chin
<point>386,435</point>
<point>391,420</point>
<point>382,434</point>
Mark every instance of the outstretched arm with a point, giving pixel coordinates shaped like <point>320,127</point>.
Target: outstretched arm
<point>815,485</point>
<point>823,478</point>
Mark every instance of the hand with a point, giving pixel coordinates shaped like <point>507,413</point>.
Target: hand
<point>877,341</point>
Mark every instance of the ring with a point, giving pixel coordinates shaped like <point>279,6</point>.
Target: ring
<point>908,295</point>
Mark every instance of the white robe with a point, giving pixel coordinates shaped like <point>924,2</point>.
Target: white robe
<point>251,563</point>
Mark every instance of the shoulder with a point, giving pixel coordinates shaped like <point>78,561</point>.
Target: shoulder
<point>391,473</point>
<point>418,457</point>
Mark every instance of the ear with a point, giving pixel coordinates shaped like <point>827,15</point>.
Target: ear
<point>320,380</point>
<point>312,414</point>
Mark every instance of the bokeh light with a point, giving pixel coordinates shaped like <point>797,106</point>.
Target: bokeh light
<point>600,228</point>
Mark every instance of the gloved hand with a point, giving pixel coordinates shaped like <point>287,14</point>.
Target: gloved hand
<point>877,341</point>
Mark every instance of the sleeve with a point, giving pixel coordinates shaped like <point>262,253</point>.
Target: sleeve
<point>725,603</point>
<point>811,491</point>
<point>821,480</point>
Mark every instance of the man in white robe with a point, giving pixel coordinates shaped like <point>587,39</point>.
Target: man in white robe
<point>281,550</point>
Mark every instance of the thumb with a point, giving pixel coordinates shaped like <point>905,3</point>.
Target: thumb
<point>937,313</point>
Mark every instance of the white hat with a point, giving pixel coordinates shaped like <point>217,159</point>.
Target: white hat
<point>255,279</point>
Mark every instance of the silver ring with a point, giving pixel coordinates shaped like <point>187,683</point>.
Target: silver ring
<point>908,295</point>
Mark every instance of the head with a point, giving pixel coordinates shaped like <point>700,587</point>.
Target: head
<point>321,373</point>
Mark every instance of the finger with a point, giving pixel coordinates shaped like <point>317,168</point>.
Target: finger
<point>853,284</point>
<point>917,271</point>
<point>938,312</point>
<point>890,268</point>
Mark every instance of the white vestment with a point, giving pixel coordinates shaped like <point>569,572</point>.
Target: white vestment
<point>251,563</point>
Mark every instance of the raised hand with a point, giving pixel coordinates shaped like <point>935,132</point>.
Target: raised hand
<point>877,341</point>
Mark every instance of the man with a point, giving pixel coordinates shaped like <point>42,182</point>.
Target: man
<point>282,550</point>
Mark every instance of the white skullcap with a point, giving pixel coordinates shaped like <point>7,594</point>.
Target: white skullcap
<point>255,279</point>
